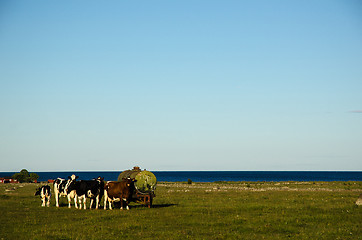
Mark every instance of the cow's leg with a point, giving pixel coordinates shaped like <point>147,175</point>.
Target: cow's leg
<point>97,201</point>
<point>69,200</point>
<point>48,202</point>
<point>110,204</point>
<point>105,199</point>
<point>80,202</point>
<point>70,196</point>
<point>121,204</point>
<point>105,203</point>
<point>75,201</point>
<point>84,202</point>
<point>91,203</point>
<point>126,203</point>
<point>43,201</point>
<point>56,198</point>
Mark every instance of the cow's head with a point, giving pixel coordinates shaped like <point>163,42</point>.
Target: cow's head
<point>71,179</point>
<point>37,191</point>
<point>100,179</point>
<point>129,181</point>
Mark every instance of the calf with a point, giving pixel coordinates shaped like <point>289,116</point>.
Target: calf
<point>60,186</point>
<point>45,194</point>
<point>118,191</point>
<point>87,189</point>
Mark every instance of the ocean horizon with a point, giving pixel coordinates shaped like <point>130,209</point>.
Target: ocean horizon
<point>212,176</point>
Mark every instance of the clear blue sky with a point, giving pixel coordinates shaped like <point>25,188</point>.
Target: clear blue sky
<point>181,85</point>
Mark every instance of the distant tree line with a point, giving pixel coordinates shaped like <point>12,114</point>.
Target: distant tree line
<point>25,176</point>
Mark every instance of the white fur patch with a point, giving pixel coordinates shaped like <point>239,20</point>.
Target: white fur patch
<point>90,194</point>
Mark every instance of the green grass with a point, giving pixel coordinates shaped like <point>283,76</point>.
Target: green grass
<point>223,210</point>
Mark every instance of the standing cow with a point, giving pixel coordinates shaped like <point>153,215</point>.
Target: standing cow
<point>45,194</point>
<point>60,186</point>
<point>84,189</point>
<point>118,191</point>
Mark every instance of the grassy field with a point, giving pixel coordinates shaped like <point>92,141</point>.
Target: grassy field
<point>221,210</point>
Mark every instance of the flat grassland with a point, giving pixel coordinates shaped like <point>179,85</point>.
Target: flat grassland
<point>220,210</point>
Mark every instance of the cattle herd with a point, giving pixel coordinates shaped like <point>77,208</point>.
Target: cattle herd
<point>80,191</point>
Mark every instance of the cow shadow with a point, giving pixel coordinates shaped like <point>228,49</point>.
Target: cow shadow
<point>163,205</point>
<point>63,204</point>
<point>118,205</point>
<point>153,205</point>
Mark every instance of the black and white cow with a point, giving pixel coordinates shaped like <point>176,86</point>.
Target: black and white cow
<point>45,194</point>
<point>84,189</point>
<point>60,186</point>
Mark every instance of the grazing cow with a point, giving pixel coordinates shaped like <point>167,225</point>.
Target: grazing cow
<point>118,191</point>
<point>45,194</point>
<point>60,186</point>
<point>84,189</point>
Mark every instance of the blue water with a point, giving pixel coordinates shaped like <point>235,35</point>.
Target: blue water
<point>212,176</point>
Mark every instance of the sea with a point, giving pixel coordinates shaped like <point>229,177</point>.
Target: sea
<point>214,176</point>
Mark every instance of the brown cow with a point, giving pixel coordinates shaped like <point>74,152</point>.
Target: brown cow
<point>118,191</point>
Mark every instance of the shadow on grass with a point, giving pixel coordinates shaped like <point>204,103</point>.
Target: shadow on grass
<point>63,204</point>
<point>163,205</point>
<point>118,205</point>
<point>153,206</point>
